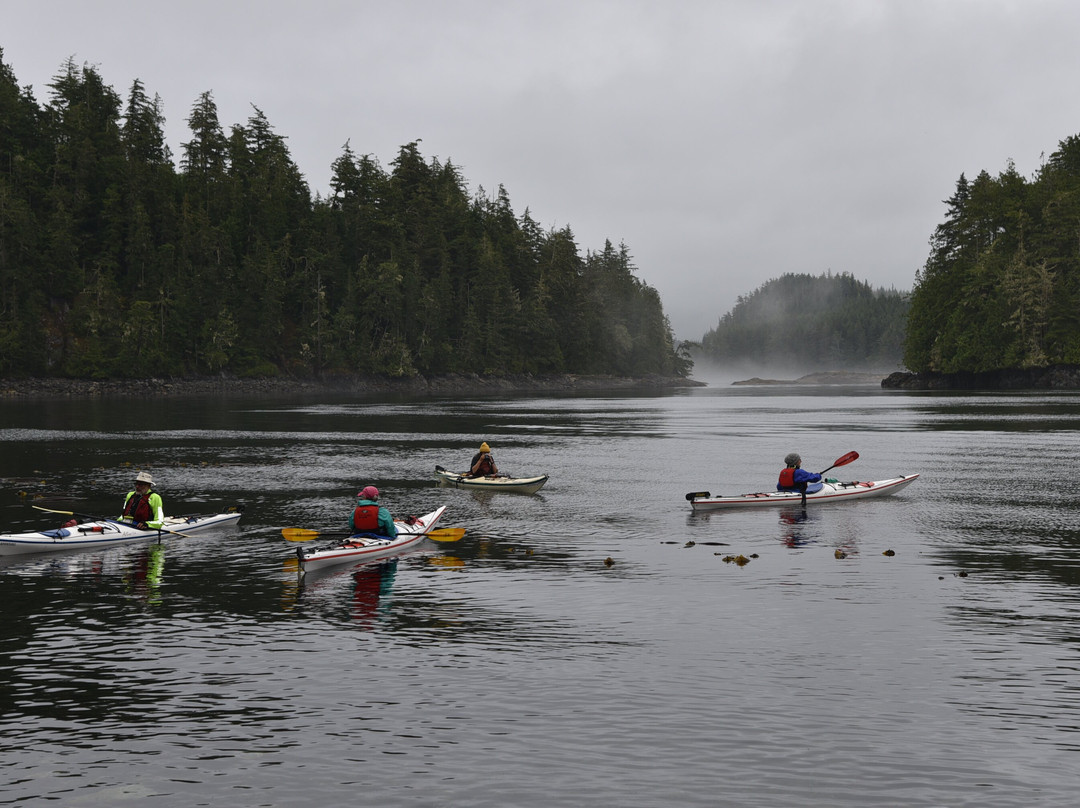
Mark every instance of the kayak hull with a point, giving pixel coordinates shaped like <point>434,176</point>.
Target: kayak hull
<point>106,533</point>
<point>829,492</point>
<point>518,485</point>
<point>366,547</point>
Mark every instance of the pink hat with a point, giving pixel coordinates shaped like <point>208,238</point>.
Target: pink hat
<point>369,492</point>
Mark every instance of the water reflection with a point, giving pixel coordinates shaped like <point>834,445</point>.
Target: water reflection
<point>569,665</point>
<point>322,590</point>
<point>143,578</point>
<point>796,527</point>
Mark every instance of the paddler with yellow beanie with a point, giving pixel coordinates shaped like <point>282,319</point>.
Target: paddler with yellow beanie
<point>483,464</point>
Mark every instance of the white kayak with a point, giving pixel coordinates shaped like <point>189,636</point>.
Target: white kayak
<point>368,547</point>
<point>494,482</point>
<point>107,532</point>
<point>816,493</point>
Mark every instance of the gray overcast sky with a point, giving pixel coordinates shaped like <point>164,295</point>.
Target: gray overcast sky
<point>725,142</point>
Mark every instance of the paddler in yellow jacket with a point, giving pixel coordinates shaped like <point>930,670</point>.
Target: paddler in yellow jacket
<point>142,507</point>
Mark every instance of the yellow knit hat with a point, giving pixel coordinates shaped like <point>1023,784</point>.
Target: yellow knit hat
<point>484,447</point>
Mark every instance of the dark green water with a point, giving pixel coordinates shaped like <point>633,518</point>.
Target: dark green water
<point>516,667</point>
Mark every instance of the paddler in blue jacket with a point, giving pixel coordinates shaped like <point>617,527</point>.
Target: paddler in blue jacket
<point>793,477</point>
<point>371,517</point>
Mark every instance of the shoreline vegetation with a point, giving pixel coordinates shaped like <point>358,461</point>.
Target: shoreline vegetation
<point>1057,377</point>
<point>118,261</point>
<point>445,384</point>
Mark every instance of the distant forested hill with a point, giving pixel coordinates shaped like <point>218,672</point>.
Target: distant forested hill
<point>1001,288</point>
<point>824,322</point>
<point>114,262</point>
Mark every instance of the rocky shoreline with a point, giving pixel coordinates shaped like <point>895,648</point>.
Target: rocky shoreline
<point>1054,377</point>
<point>824,377</point>
<point>454,384</point>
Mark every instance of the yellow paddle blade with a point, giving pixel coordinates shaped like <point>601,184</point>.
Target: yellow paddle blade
<point>304,534</point>
<point>446,534</point>
<point>299,534</point>
<point>51,510</point>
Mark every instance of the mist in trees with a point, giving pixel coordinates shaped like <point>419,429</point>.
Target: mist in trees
<point>801,322</point>
<point>114,262</point>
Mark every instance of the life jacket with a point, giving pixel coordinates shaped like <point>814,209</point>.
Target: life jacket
<point>138,507</point>
<point>486,466</point>
<point>365,518</point>
<point>787,480</point>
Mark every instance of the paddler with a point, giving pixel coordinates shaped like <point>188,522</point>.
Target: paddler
<point>371,517</point>
<point>142,507</point>
<point>483,463</point>
<point>793,477</point>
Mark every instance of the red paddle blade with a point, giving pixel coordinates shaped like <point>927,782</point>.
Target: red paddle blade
<point>843,461</point>
<point>850,457</point>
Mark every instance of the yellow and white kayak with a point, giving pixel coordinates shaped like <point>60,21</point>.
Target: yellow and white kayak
<point>494,482</point>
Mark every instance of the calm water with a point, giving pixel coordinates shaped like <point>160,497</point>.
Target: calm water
<point>516,667</point>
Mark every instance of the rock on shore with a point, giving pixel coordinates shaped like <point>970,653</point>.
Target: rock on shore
<point>1055,377</point>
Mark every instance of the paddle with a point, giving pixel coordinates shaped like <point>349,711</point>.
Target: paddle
<point>850,457</point>
<point>305,534</point>
<point>107,519</point>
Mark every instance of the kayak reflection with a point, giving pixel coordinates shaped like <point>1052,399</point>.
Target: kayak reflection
<point>372,584</point>
<point>143,579</point>
<point>797,529</point>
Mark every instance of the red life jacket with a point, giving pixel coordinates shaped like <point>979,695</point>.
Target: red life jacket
<point>485,467</point>
<point>787,481</point>
<point>138,508</point>
<point>365,518</point>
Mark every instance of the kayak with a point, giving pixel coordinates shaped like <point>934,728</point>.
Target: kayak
<point>106,533</point>
<point>818,492</point>
<point>495,482</point>
<point>367,546</point>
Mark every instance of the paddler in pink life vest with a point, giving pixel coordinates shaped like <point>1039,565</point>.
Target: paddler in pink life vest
<point>370,517</point>
<point>793,477</point>
<point>142,507</point>
<point>483,463</point>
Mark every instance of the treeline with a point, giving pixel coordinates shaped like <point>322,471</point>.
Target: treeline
<point>116,262</point>
<point>799,320</point>
<point>1001,288</point>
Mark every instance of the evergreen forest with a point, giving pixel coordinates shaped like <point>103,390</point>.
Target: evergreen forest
<point>813,322</point>
<point>1001,287</point>
<point>116,262</point>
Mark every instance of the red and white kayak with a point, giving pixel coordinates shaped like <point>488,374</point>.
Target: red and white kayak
<point>825,492</point>
<point>107,532</point>
<point>367,547</point>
